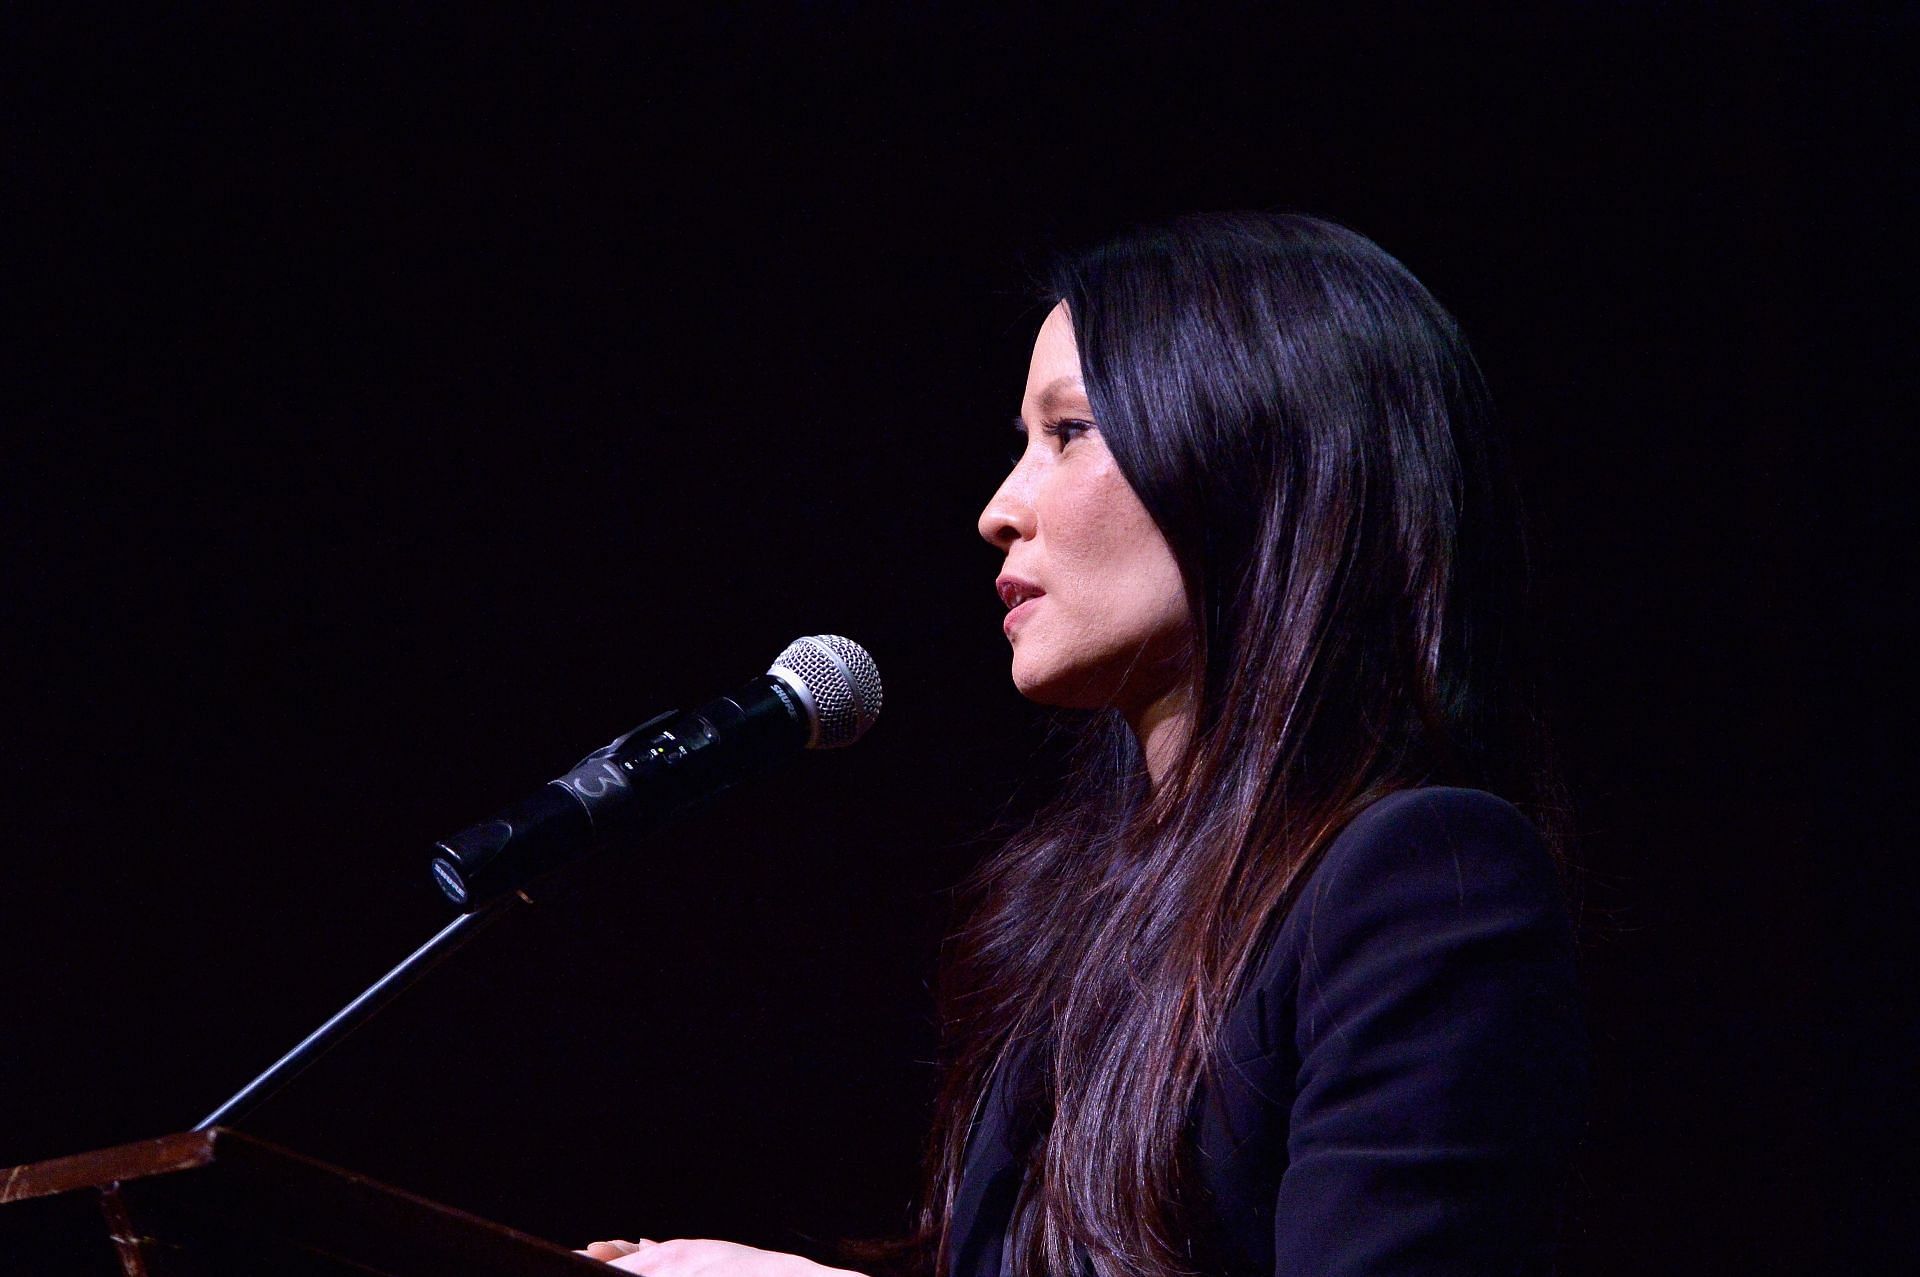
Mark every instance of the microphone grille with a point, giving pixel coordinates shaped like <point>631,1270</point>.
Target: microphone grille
<point>841,681</point>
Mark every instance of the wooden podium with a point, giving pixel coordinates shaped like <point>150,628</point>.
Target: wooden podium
<point>219,1202</point>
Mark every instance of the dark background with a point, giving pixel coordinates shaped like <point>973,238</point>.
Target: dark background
<point>401,401</point>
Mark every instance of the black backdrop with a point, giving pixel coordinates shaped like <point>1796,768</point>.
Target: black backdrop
<point>402,401</point>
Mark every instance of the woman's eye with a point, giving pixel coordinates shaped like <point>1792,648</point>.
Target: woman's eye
<point>1067,431</point>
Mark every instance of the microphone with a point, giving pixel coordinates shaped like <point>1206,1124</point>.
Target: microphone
<point>822,692</point>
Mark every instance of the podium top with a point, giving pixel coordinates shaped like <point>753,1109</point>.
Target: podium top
<point>179,1152</point>
<point>218,1200</point>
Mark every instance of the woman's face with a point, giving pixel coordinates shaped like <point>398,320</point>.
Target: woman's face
<point>1104,621</point>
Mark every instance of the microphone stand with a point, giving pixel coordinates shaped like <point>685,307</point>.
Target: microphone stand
<point>363,1008</point>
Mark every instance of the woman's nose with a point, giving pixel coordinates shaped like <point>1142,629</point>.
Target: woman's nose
<point>1009,514</point>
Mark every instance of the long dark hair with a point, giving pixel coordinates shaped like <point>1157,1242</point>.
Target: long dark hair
<point>1308,429</point>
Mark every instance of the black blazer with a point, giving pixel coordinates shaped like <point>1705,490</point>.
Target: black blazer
<point>1404,1078</point>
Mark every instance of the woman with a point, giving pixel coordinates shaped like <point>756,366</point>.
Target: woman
<point>1275,983</point>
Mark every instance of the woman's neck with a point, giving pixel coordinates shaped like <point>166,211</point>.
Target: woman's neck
<point>1162,727</point>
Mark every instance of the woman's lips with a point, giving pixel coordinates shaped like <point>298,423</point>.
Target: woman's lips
<point>1018,615</point>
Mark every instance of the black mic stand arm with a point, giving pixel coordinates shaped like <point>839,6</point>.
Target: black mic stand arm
<point>363,1008</point>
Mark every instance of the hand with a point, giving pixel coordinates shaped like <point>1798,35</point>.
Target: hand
<point>687,1257</point>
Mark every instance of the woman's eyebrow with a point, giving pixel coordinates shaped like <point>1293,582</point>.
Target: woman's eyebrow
<point>1055,391</point>
<point>1059,388</point>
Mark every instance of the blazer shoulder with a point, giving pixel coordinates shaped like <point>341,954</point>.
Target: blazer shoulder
<point>1438,841</point>
<point>1431,811</point>
<point>1415,865</point>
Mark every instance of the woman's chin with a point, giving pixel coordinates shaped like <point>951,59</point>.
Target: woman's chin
<point>1060,688</point>
<point>1033,680</point>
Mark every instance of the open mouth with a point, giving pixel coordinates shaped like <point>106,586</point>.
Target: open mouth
<point>1015,592</point>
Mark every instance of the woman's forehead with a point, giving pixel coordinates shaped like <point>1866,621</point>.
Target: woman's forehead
<point>1055,368</point>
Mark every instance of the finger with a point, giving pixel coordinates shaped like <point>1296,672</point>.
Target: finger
<point>611,1249</point>
<point>686,1257</point>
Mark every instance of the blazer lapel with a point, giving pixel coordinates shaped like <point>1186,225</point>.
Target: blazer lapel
<point>994,1166</point>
